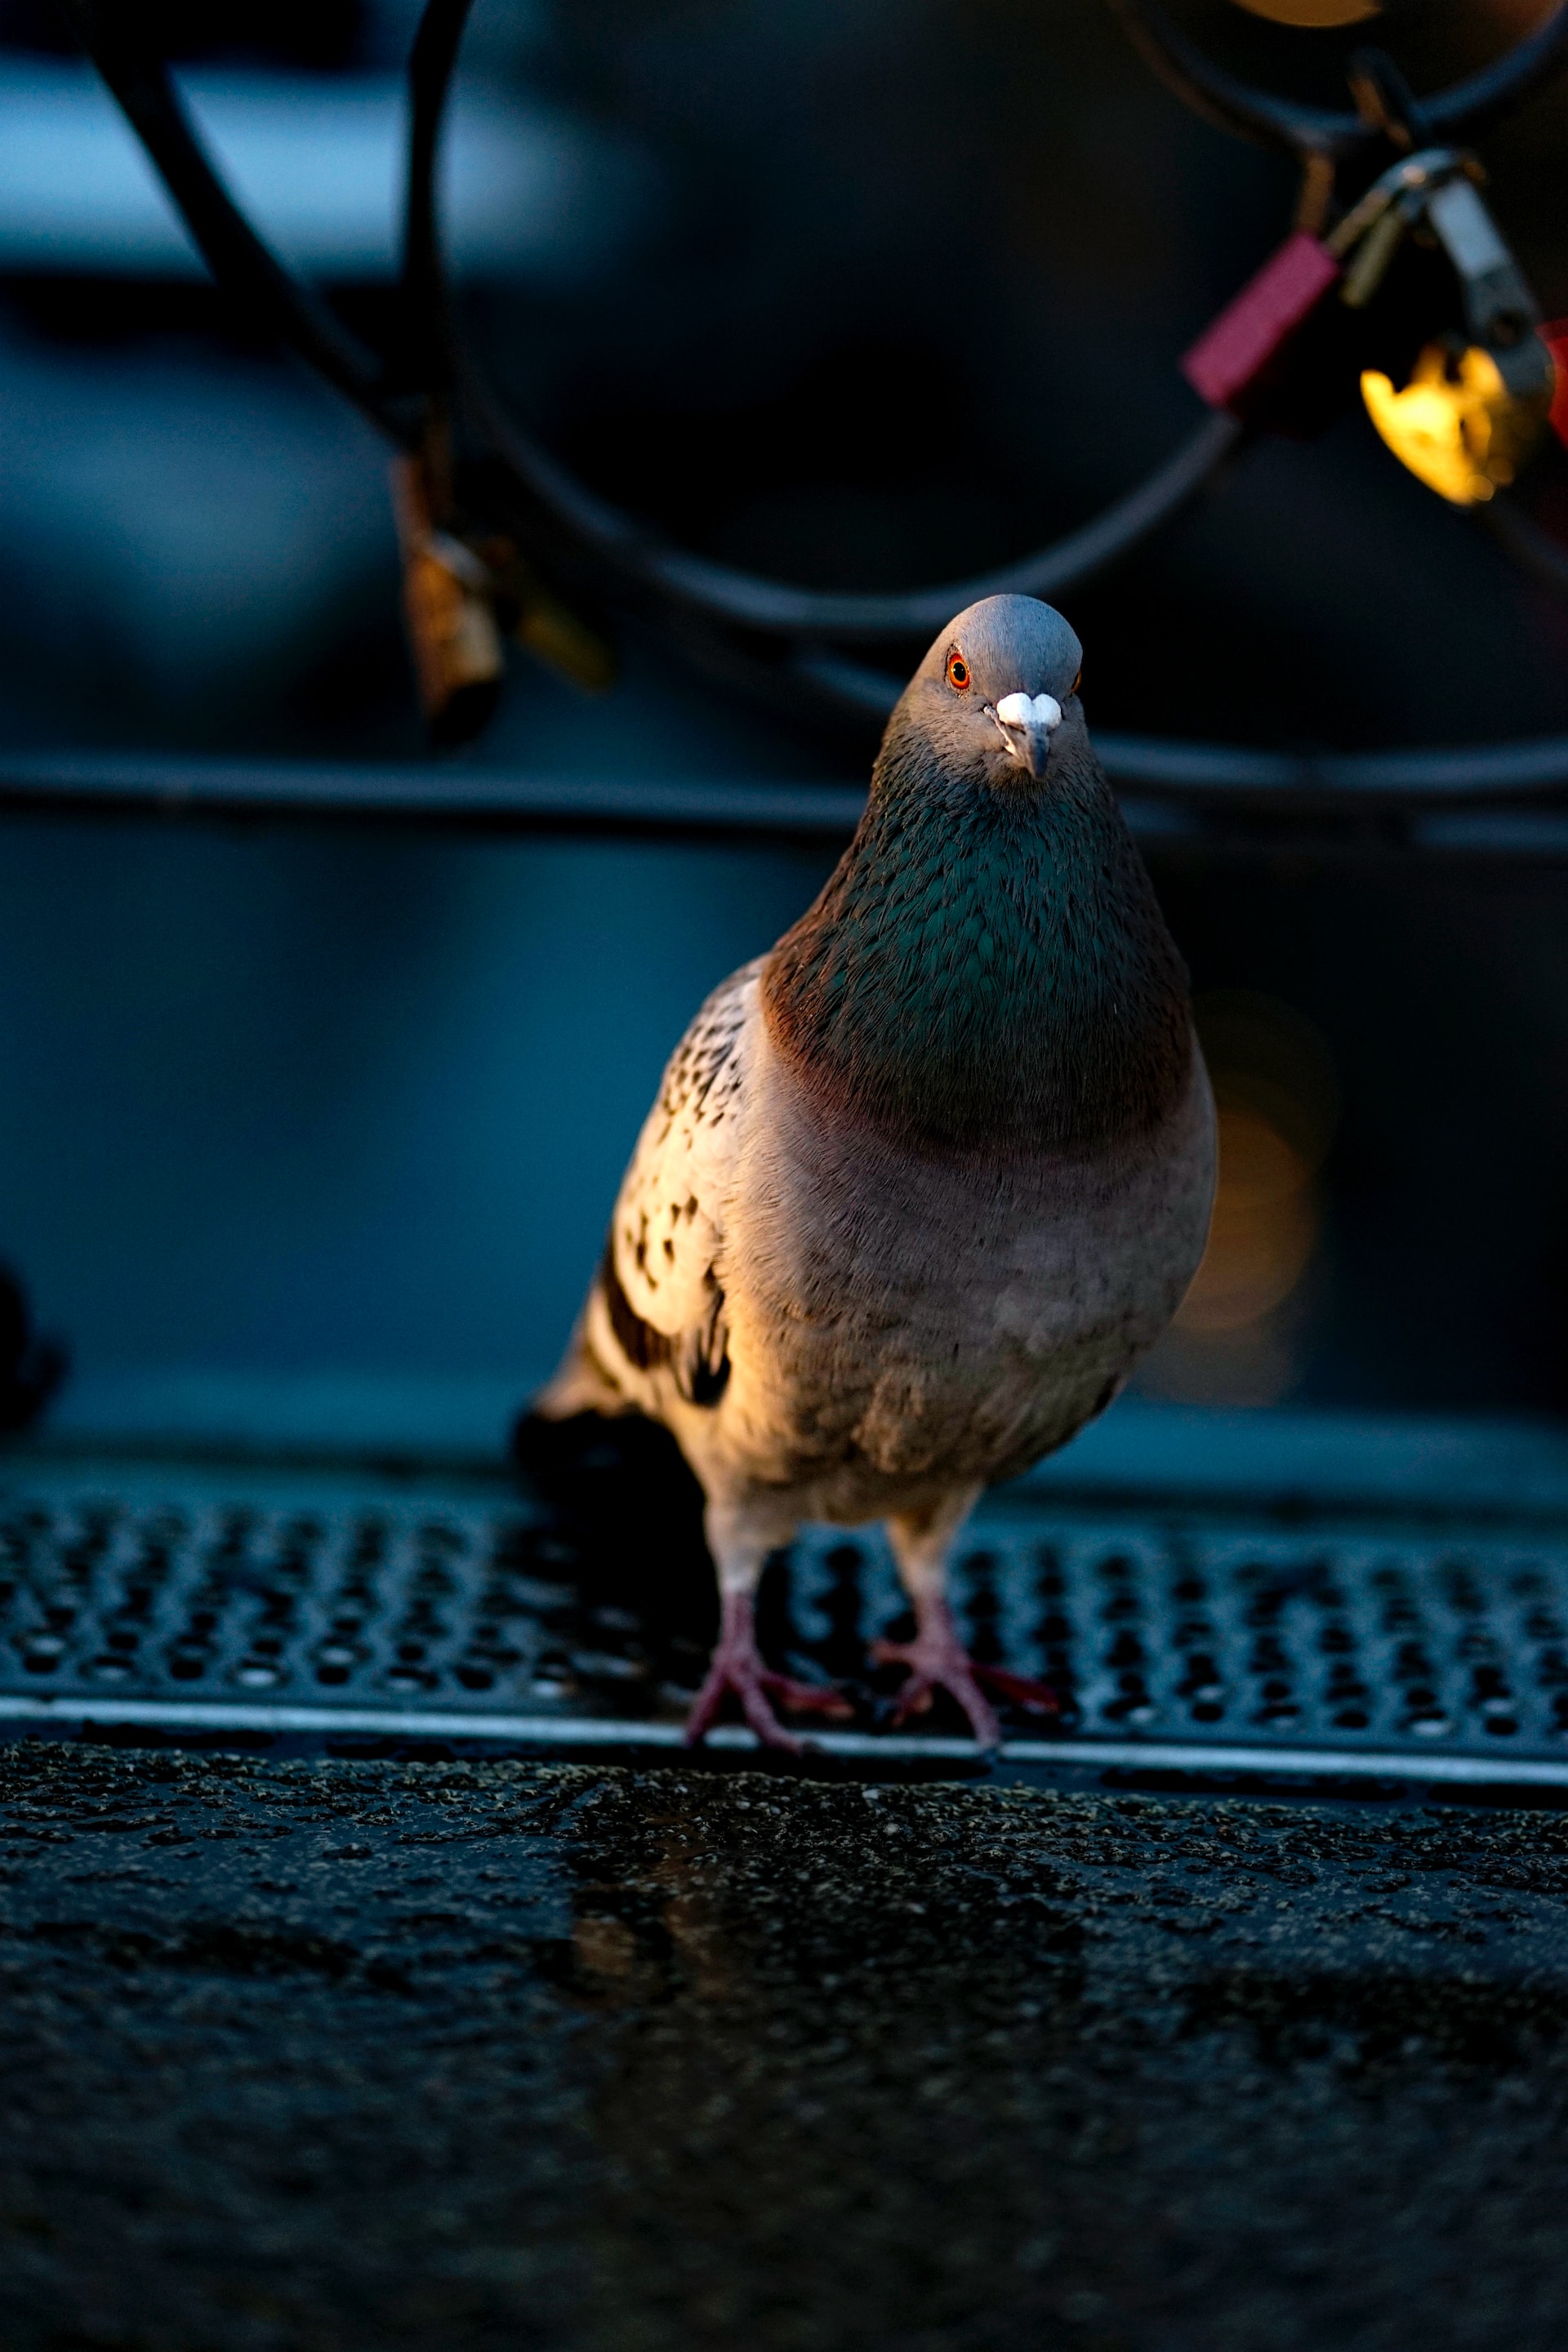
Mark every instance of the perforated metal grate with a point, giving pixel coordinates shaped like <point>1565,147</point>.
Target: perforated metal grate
<point>1210,1634</point>
<point>217,1601</point>
<point>1151,1631</point>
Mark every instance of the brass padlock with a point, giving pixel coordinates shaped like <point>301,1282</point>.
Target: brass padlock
<point>1456,425</point>
<point>447,602</point>
<point>1474,412</point>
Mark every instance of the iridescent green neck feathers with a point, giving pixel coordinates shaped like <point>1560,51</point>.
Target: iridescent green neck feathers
<point>987,968</point>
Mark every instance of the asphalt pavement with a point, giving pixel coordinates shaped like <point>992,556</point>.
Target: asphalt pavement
<point>327,2055</point>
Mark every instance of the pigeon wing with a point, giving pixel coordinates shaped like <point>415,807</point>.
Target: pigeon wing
<point>661,1282</point>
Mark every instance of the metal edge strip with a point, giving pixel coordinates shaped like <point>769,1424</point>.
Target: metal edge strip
<point>1474,1771</point>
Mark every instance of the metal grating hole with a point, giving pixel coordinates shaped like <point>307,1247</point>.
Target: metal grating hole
<point>1197,1633</point>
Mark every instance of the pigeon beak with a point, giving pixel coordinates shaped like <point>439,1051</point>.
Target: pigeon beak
<point>1028,723</point>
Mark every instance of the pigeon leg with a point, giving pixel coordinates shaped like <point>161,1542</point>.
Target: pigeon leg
<point>936,1658</point>
<point>736,1667</point>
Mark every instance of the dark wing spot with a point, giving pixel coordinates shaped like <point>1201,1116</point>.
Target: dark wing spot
<point>703,1383</point>
<point>639,1341</point>
<point>702,1368</point>
<point>700,1358</point>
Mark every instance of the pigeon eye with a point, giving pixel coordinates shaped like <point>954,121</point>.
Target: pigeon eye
<point>957,671</point>
<point>1076,684</point>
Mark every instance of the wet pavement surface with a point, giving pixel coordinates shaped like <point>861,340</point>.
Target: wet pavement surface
<point>338,2055</point>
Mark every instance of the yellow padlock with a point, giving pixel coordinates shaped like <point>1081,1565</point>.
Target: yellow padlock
<point>1456,425</point>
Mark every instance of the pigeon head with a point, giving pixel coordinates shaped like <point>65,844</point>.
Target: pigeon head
<point>998,688</point>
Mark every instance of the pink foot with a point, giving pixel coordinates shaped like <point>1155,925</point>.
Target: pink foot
<point>1018,1690</point>
<point>937,1660</point>
<point>737,1666</point>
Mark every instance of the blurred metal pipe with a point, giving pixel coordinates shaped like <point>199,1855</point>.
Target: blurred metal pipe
<point>444,796</point>
<point>318,162</point>
<point>1508,799</point>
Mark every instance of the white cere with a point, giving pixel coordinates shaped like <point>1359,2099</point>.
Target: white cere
<point>1021,711</point>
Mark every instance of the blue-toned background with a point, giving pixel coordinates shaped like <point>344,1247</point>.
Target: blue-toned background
<point>316,1129</point>
<point>285,1102</point>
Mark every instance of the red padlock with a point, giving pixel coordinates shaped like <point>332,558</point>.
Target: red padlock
<point>1555,338</point>
<point>1241,355</point>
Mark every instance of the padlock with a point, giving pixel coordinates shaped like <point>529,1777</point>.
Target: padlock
<point>1240,363</point>
<point>1472,416</point>
<point>1456,425</point>
<point>1236,362</point>
<point>1498,305</point>
<point>452,633</point>
<point>1398,203</point>
<point>1375,256</point>
<point>1555,338</point>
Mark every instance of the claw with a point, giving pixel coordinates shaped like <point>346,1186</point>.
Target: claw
<point>1018,1690</point>
<point>937,1660</point>
<point>737,1668</point>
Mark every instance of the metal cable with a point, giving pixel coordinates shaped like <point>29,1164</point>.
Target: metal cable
<point>1221,98</point>
<point>730,611</point>
<point>619,544</point>
<point>432,61</point>
<point>630,549</point>
<point>746,601</point>
<point>237,257</point>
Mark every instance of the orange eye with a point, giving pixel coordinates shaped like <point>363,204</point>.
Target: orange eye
<point>957,671</point>
<point>1076,684</point>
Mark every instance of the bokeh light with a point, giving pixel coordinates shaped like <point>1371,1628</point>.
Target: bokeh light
<point>1312,14</point>
<point>1235,1339</point>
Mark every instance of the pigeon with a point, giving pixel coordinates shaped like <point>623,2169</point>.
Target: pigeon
<point>923,1182</point>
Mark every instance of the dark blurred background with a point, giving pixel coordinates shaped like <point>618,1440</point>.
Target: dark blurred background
<point>318,1127</point>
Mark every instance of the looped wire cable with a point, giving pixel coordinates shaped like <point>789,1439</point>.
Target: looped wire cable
<point>617,547</point>
<point>774,608</point>
<point>758,632</point>
<point>1460,112</point>
<point>722,593</point>
<point>239,259</point>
